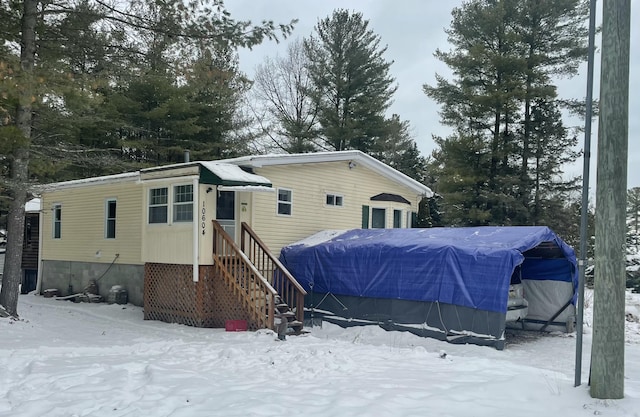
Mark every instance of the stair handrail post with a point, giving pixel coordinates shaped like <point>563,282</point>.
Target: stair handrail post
<point>300,308</point>
<point>275,260</point>
<point>259,278</point>
<point>289,289</point>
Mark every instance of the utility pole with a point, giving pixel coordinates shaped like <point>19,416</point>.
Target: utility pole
<point>607,352</point>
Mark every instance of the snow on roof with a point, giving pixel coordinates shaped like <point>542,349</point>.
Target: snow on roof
<point>320,237</point>
<point>231,172</point>
<point>32,205</point>
<point>317,157</point>
<point>226,172</point>
<point>229,169</point>
<point>106,179</point>
<point>249,188</point>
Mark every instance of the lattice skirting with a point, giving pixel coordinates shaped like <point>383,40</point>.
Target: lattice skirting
<point>170,295</point>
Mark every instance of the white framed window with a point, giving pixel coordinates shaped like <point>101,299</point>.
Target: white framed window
<point>183,203</point>
<point>285,202</point>
<point>110,219</point>
<point>57,221</point>
<point>334,200</point>
<point>158,205</point>
<point>378,218</point>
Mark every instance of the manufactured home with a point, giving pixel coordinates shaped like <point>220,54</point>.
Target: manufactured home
<point>194,242</point>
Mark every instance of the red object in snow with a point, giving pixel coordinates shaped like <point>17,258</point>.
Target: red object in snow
<point>235,325</point>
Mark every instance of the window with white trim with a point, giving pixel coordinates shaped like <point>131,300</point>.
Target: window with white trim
<point>57,221</point>
<point>183,203</point>
<point>158,205</point>
<point>285,202</point>
<point>334,200</point>
<point>110,219</point>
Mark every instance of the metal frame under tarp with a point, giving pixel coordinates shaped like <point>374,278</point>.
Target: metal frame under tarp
<point>447,322</point>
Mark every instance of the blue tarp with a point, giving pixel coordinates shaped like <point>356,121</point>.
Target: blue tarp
<point>469,266</point>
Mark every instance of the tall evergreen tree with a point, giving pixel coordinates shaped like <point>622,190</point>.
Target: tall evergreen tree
<point>46,53</point>
<point>350,81</point>
<point>397,149</point>
<point>482,102</point>
<point>216,90</point>
<point>502,101</point>
<point>459,167</point>
<point>553,35</point>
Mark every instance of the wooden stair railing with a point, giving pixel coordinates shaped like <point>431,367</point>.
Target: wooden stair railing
<point>289,290</point>
<point>255,294</point>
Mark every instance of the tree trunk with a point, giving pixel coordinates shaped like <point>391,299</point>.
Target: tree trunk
<point>607,353</point>
<point>20,163</point>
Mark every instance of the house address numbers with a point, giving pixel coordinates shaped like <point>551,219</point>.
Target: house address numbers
<point>203,218</point>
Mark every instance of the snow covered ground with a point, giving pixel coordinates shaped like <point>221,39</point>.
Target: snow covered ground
<point>66,359</point>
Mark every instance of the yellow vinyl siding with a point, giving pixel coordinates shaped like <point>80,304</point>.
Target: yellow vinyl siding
<point>83,223</point>
<point>309,184</point>
<point>169,242</point>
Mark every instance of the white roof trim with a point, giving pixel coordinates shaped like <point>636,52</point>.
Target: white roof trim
<point>107,179</point>
<point>258,161</point>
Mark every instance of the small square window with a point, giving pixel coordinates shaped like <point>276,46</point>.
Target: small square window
<point>334,200</point>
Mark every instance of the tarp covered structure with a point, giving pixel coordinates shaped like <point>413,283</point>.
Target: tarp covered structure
<point>460,276</point>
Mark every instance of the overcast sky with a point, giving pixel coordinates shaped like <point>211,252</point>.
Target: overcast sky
<point>413,30</point>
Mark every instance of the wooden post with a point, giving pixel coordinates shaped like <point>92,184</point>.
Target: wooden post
<point>607,353</point>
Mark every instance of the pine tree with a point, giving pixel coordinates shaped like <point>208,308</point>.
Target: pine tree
<point>46,79</point>
<point>397,149</point>
<point>482,102</point>
<point>553,35</point>
<point>502,101</point>
<point>216,90</point>
<point>633,220</point>
<point>461,179</point>
<point>350,81</point>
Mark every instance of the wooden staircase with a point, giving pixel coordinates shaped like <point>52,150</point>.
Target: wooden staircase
<point>261,284</point>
